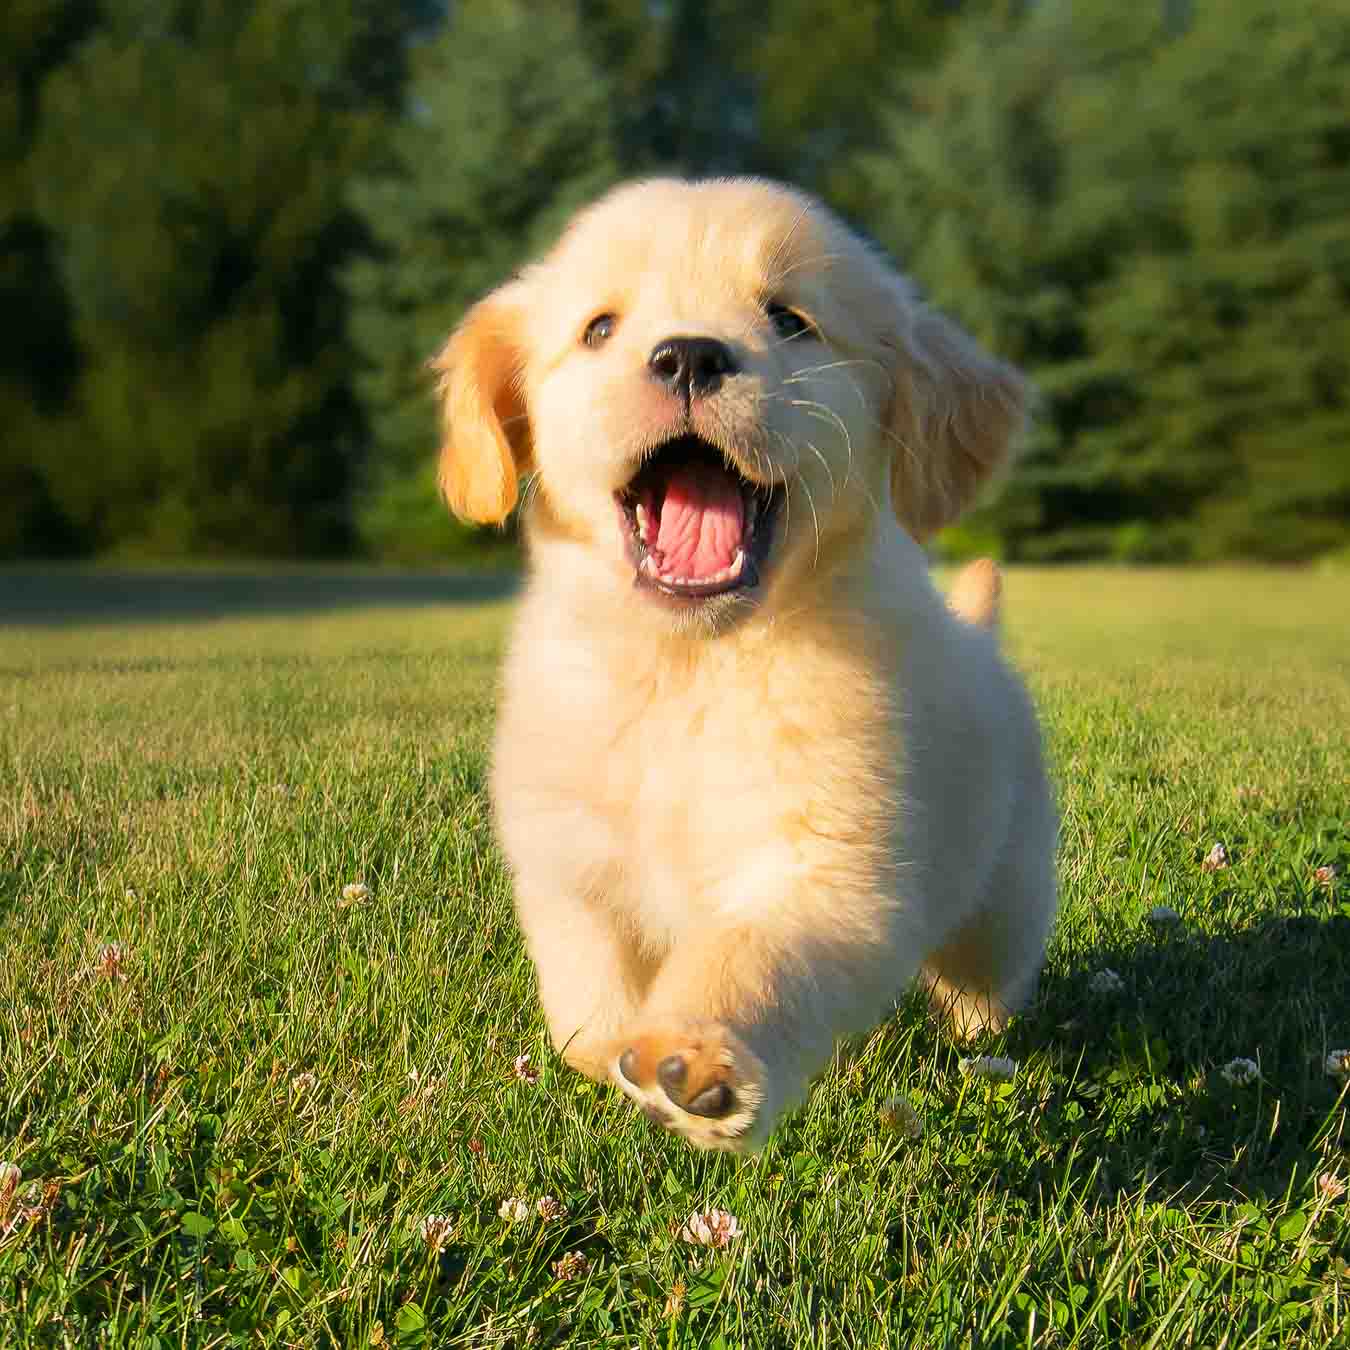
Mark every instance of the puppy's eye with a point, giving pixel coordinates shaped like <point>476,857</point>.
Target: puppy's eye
<point>600,329</point>
<point>787,323</point>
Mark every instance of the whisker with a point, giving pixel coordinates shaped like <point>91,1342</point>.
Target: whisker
<point>834,495</point>
<point>787,495</point>
<point>775,274</point>
<point>781,247</point>
<point>848,444</point>
<point>830,416</point>
<point>808,261</point>
<point>810,501</point>
<point>795,337</point>
<point>801,377</point>
<point>833,365</point>
<point>531,490</point>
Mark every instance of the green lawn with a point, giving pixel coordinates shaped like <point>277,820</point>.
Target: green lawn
<point>231,1125</point>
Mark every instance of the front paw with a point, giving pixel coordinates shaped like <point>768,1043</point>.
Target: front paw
<point>698,1079</point>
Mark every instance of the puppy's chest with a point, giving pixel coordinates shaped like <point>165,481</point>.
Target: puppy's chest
<point>683,795</point>
<point>693,784</point>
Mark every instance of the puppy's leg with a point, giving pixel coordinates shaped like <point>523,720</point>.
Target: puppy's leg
<point>591,974</point>
<point>963,980</point>
<point>987,969</point>
<point>737,1022</point>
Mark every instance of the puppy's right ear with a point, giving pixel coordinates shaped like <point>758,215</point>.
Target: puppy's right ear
<point>485,444</point>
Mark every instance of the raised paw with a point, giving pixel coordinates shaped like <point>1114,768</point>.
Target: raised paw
<point>697,1079</point>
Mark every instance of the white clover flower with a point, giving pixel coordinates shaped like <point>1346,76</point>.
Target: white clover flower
<point>995,1067</point>
<point>1105,982</point>
<point>302,1083</point>
<point>522,1069</point>
<point>1241,1072</point>
<point>1163,916</point>
<point>710,1228</point>
<point>354,892</point>
<point>1330,1185</point>
<point>513,1209</point>
<point>899,1116</point>
<point>1326,876</point>
<point>572,1266</point>
<point>428,1087</point>
<point>12,1212</point>
<point>110,962</point>
<point>1216,859</point>
<point>1338,1064</point>
<point>436,1230</point>
<point>550,1209</point>
<point>674,1300</point>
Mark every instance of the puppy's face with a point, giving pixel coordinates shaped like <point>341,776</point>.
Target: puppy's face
<point>715,387</point>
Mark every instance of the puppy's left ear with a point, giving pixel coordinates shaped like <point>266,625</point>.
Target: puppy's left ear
<point>955,413</point>
<point>485,444</point>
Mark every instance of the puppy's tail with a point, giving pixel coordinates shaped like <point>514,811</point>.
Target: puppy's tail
<point>976,593</point>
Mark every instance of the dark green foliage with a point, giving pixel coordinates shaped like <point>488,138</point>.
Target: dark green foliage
<point>793,89</point>
<point>231,233</point>
<point>507,132</point>
<point>681,98</point>
<point>815,123</point>
<point>1155,217</point>
<point>37,350</point>
<point>191,160</point>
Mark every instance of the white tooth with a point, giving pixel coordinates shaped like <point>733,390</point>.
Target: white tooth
<point>640,514</point>
<point>737,563</point>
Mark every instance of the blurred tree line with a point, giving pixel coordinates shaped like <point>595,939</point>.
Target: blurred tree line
<point>231,232</point>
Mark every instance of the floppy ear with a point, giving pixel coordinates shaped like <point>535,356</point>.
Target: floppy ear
<point>955,413</point>
<point>485,443</point>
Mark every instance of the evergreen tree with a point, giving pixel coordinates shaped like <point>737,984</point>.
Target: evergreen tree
<point>191,160</point>
<point>507,131</point>
<point>37,348</point>
<point>683,98</point>
<point>1154,215</point>
<point>821,74</point>
<point>793,89</point>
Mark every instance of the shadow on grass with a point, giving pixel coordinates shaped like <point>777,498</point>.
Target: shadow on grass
<point>1151,1097</point>
<point>56,597</point>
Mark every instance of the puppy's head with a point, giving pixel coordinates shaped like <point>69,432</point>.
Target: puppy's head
<point>714,386</point>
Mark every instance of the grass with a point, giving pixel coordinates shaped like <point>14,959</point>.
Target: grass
<point>232,1125</point>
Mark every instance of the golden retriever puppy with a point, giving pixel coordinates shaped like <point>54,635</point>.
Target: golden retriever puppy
<point>752,775</point>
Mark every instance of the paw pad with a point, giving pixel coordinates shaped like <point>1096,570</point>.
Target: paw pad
<point>699,1089</point>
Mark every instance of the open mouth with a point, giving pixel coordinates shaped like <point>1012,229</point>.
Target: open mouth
<point>696,525</point>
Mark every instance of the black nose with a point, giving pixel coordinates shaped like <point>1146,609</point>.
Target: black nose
<point>691,367</point>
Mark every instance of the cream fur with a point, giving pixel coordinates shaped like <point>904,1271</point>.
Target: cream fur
<point>739,829</point>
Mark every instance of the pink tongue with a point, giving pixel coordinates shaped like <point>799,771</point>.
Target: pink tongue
<point>702,521</point>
